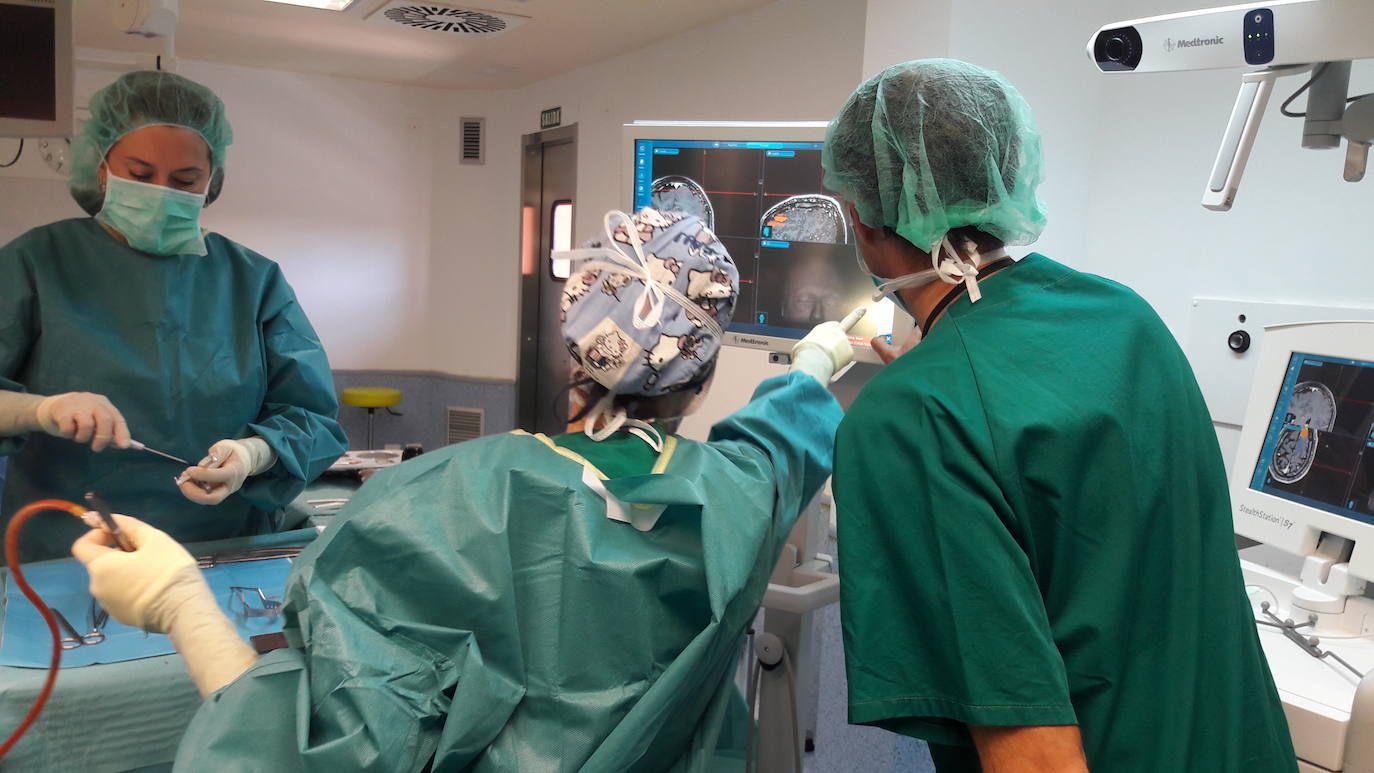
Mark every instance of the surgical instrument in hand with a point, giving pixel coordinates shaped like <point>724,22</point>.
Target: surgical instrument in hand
<point>134,444</point>
<point>102,509</point>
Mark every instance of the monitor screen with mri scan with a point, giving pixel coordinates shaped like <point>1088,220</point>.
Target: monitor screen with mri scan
<point>1319,447</point>
<point>791,239</point>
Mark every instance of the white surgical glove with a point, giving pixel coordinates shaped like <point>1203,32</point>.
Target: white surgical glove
<point>226,468</point>
<point>826,349</point>
<point>158,588</point>
<point>78,416</point>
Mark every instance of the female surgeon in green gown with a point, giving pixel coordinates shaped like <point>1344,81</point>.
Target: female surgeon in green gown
<point>137,321</point>
<point>521,602</point>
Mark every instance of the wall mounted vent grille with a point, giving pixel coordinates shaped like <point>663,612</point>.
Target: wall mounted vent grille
<point>474,131</point>
<point>465,424</point>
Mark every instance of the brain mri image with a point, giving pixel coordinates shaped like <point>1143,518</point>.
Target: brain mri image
<point>811,217</point>
<point>679,193</point>
<point>1311,410</point>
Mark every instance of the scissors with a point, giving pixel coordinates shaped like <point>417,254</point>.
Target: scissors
<point>99,617</point>
<point>72,638</point>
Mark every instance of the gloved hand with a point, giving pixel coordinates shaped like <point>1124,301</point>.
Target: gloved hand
<point>226,468</point>
<point>84,418</point>
<point>826,348</point>
<point>142,588</point>
<point>158,588</point>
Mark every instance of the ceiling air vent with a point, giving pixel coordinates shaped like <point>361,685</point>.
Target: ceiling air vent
<point>473,129</point>
<point>446,19</point>
<point>464,424</point>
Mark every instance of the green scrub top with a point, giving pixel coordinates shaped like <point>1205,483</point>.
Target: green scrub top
<point>475,607</point>
<point>191,349</point>
<point>1035,529</point>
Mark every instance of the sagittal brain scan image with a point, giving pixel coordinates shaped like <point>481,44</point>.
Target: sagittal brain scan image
<point>1319,449</point>
<point>813,217</point>
<point>676,193</point>
<point>1311,410</point>
<point>791,238</point>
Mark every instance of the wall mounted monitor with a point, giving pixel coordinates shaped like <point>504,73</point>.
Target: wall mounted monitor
<point>759,187</point>
<point>36,68</point>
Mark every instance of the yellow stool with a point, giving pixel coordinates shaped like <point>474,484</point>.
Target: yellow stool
<point>372,398</point>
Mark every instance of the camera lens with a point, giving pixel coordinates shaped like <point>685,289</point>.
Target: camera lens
<point>1259,18</point>
<point>1116,48</point>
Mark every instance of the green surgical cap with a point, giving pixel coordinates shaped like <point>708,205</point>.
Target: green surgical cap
<point>136,100</point>
<point>937,144</point>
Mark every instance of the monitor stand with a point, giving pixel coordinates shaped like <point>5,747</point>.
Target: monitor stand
<point>1328,705</point>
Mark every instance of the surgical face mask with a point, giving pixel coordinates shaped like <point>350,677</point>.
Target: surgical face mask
<point>153,218</point>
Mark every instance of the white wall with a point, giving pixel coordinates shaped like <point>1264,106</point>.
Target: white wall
<point>1128,156</point>
<point>327,176</point>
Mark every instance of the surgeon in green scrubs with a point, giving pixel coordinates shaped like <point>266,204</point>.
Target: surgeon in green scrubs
<point>520,602</point>
<point>136,322</point>
<point>1037,563</point>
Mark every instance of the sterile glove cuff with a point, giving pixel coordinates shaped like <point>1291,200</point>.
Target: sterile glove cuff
<point>260,453</point>
<point>214,652</point>
<point>813,362</point>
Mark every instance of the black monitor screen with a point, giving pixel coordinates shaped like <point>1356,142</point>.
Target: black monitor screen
<point>791,239</point>
<point>28,63</point>
<point>1319,449</point>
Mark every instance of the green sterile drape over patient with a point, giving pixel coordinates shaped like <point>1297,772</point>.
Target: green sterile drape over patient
<point>190,349</point>
<point>476,607</point>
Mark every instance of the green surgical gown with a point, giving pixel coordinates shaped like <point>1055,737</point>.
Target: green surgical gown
<point>1034,529</point>
<point>475,607</point>
<point>190,349</point>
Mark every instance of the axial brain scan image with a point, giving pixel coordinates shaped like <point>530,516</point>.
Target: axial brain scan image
<point>1311,410</point>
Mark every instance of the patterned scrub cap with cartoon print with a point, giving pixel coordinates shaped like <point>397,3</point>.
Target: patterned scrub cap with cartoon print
<point>644,313</point>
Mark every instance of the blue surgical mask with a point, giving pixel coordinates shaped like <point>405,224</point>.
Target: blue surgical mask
<point>153,218</point>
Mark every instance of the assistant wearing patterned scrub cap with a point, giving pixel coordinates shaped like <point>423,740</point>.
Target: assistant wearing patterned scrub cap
<point>645,310</point>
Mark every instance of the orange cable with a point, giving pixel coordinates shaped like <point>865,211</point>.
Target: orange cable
<point>12,558</point>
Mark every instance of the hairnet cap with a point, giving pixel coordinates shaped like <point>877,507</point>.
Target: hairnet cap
<point>601,299</point>
<point>136,100</point>
<point>936,144</point>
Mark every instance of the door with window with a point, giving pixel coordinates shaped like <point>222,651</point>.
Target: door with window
<point>549,184</point>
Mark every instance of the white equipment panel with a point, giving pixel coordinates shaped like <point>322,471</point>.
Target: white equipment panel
<point>1225,376</point>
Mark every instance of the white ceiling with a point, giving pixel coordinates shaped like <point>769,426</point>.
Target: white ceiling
<point>561,35</point>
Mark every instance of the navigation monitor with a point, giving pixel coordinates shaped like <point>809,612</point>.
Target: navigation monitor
<point>760,189</point>
<point>1319,449</point>
<point>1305,464</point>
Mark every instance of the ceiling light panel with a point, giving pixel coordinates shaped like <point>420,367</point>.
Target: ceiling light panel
<point>324,5</point>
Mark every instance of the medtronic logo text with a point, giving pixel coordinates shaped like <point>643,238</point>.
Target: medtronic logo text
<point>1170,44</point>
<point>750,341</point>
<point>1263,516</point>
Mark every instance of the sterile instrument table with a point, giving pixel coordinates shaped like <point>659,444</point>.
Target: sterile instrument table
<point>117,717</point>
